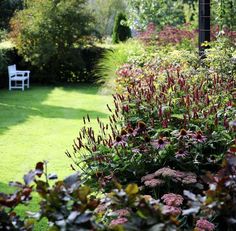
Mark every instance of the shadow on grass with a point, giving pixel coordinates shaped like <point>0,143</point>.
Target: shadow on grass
<point>16,106</point>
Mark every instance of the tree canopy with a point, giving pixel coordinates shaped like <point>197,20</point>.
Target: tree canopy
<point>47,33</point>
<point>7,9</point>
<point>162,12</point>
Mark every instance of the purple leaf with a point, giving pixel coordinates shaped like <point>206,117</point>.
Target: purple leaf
<point>29,177</point>
<point>16,184</point>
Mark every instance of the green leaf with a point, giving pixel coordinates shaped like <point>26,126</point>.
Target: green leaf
<point>83,192</point>
<point>140,213</point>
<point>178,116</point>
<point>132,189</point>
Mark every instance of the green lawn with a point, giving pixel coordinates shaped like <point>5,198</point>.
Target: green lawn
<point>40,124</point>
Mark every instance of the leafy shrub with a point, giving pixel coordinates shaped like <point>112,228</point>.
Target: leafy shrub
<point>53,38</point>
<point>67,204</point>
<point>168,35</point>
<point>219,57</point>
<point>70,205</point>
<point>216,31</point>
<point>121,31</point>
<point>3,35</point>
<point>161,118</point>
<point>2,59</point>
<point>224,12</point>
<point>182,37</point>
<point>221,195</point>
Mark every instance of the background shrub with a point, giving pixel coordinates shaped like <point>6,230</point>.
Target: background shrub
<point>121,32</point>
<point>224,13</point>
<point>163,12</point>
<point>50,35</point>
<point>7,57</point>
<point>3,61</point>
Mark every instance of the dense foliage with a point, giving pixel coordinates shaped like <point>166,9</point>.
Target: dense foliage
<point>166,12</point>
<point>50,35</point>
<point>8,56</point>
<point>2,59</point>
<point>7,9</point>
<point>166,99</point>
<point>168,35</point>
<point>224,13</point>
<point>172,126</point>
<point>172,13</point>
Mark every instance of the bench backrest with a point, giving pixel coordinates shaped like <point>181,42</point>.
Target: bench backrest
<point>11,70</point>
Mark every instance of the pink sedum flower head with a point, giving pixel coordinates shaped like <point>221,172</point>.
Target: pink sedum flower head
<point>175,175</point>
<point>172,199</point>
<point>189,178</point>
<point>153,183</point>
<point>165,172</point>
<point>122,213</point>
<point>148,177</point>
<point>118,221</point>
<point>171,210</point>
<point>203,224</point>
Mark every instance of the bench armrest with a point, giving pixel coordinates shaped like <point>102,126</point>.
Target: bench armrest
<point>22,73</point>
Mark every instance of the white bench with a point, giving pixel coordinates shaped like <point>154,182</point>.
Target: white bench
<point>19,78</point>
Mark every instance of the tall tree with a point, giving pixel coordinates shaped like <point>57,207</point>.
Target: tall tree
<point>7,9</point>
<point>47,33</point>
<point>161,12</point>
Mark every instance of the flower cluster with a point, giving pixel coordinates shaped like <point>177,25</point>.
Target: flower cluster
<point>166,172</point>
<point>118,221</point>
<point>172,199</point>
<point>204,225</point>
<point>169,131</point>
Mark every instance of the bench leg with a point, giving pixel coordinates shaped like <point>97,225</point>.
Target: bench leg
<point>9,85</point>
<point>23,85</point>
